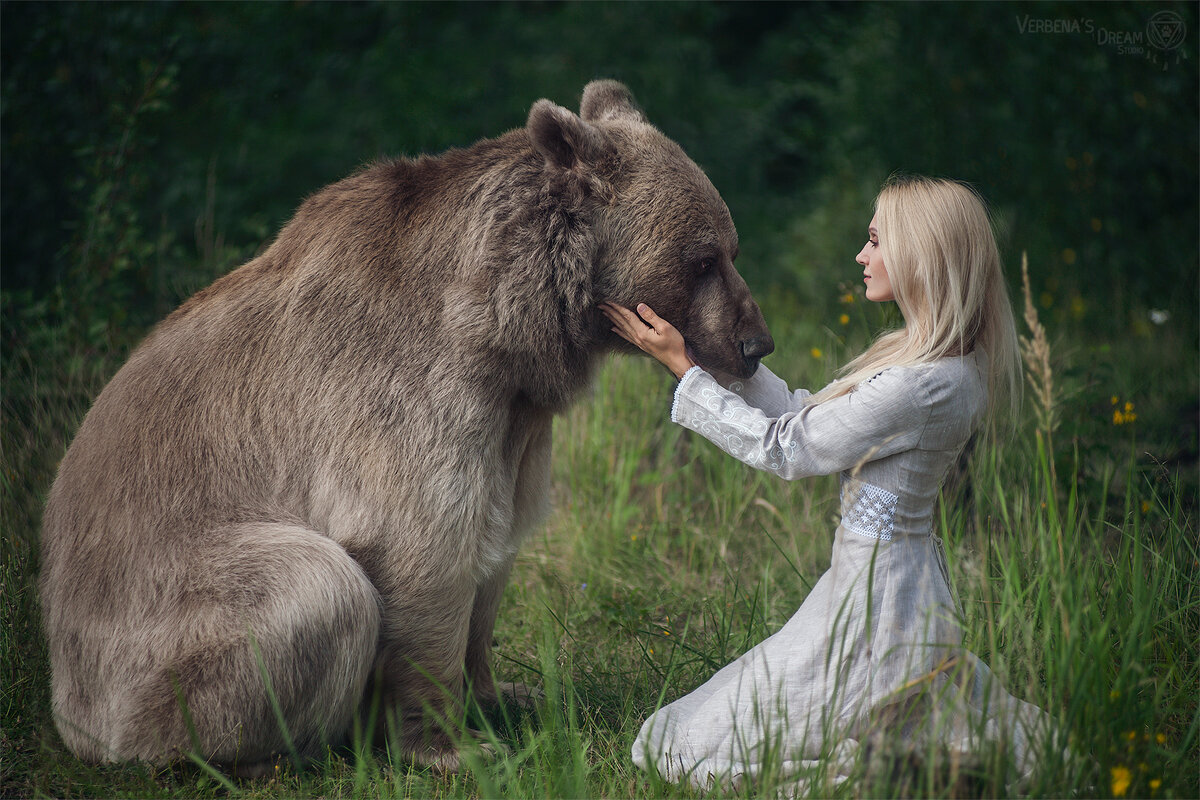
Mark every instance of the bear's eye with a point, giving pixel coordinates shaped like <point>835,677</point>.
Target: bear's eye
<point>706,264</point>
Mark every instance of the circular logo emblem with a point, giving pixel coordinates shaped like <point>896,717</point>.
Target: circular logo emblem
<point>1166,30</point>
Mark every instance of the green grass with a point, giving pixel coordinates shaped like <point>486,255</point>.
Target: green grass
<point>664,559</point>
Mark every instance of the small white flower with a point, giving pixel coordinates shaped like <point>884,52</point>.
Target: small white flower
<point>1159,315</point>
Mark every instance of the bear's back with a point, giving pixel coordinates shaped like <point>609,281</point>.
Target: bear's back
<point>324,335</point>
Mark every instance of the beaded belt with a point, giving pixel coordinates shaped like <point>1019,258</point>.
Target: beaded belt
<point>868,510</point>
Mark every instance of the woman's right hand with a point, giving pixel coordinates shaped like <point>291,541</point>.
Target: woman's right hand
<point>654,336</point>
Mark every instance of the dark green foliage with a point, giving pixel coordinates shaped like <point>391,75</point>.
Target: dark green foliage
<point>201,126</point>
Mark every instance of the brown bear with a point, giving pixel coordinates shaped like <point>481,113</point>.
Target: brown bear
<point>319,468</point>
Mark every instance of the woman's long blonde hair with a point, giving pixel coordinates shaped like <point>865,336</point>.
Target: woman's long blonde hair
<point>944,267</point>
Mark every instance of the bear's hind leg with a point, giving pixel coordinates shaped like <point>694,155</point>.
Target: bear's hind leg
<point>273,604</point>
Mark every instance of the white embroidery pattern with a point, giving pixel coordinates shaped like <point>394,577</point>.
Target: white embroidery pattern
<point>678,387</point>
<point>739,432</point>
<point>868,510</point>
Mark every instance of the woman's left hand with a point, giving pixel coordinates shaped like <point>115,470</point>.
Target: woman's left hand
<point>655,336</point>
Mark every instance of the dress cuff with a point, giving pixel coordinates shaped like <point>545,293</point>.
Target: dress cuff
<point>687,377</point>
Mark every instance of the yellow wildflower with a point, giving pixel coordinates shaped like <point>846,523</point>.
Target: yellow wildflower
<point>816,352</point>
<point>1161,738</point>
<point>1122,414</point>
<point>1121,778</point>
<point>1068,256</point>
<point>847,298</point>
<point>1124,417</point>
<point>1154,784</point>
<point>1146,508</point>
<point>844,319</point>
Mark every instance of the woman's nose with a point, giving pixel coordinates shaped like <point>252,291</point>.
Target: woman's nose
<point>861,258</point>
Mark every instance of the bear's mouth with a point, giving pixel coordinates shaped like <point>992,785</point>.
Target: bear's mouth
<point>739,358</point>
<point>752,351</point>
<point>738,367</point>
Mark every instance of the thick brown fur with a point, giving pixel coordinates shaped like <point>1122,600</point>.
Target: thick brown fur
<point>319,468</point>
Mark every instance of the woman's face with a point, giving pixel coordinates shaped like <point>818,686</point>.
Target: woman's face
<point>879,288</point>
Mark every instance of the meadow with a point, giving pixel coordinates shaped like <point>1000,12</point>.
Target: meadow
<point>663,559</point>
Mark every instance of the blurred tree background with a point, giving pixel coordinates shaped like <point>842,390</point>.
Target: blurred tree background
<point>149,147</point>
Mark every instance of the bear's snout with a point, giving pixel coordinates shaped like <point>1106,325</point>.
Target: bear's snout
<point>755,349</point>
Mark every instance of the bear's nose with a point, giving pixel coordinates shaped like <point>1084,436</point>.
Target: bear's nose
<point>756,348</point>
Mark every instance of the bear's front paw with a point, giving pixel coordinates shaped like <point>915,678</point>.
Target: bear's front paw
<point>442,755</point>
<point>254,770</point>
<point>521,696</point>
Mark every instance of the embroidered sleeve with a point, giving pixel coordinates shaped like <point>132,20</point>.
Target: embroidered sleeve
<point>765,391</point>
<point>883,416</point>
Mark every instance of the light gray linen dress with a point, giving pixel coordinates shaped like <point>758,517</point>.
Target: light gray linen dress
<point>874,653</point>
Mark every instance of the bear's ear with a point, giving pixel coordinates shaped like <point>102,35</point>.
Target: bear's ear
<point>609,100</point>
<point>563,138</point>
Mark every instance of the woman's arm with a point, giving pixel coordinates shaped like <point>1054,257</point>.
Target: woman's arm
<point>883,416</point>
<point>765,391</point>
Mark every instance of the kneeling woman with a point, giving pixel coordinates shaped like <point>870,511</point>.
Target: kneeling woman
<point>875,651</point>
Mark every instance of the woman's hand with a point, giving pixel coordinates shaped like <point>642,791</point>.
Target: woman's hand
<point>655,336</point>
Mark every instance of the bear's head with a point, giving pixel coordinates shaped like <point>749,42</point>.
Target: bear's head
<point>661,234</point>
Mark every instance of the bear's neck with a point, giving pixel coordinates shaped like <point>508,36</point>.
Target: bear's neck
<point>539,251</point>
<point>473,252</point>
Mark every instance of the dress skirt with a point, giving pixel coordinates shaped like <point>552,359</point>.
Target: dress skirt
<point>873,654</point>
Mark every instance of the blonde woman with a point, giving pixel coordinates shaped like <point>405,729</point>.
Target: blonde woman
<point>874,653</point>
